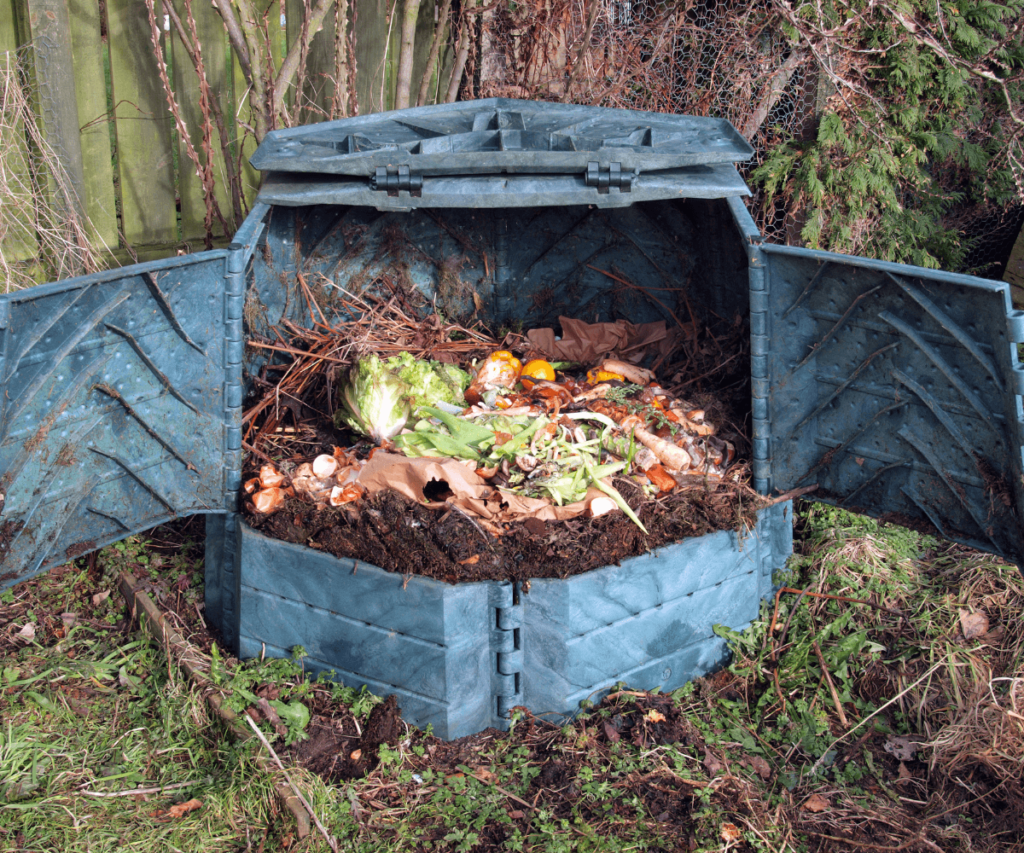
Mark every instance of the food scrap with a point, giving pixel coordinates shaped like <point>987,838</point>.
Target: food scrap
<point>525,433</point>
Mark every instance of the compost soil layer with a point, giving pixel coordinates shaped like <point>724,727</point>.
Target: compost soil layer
<point>399,535</point>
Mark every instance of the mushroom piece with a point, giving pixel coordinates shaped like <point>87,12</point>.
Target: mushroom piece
<point>526,463</point>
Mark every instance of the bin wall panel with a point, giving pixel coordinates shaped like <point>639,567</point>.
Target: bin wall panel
<point>425,641</point>
<point>647,622</point>
<point>460,656</point>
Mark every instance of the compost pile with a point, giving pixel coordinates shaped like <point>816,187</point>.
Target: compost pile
<point>439,449</point>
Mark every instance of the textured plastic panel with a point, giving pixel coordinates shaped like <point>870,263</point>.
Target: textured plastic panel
<point>897,390</point>
<point>525,265</point>
<point>460,657</point>
<point>504,191</point>
<point>432,644</point>
<point>498,135</point>
<point>113,411</point>
<point>647,622</point>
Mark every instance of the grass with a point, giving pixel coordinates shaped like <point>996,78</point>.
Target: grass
<point>838,726</point>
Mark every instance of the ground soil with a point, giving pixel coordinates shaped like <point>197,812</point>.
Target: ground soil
<point>916,796</point>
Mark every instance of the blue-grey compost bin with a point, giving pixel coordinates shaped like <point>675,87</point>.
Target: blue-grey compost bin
<point>896,389</point>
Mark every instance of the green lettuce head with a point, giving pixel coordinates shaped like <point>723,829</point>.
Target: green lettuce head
<point>378,396</point>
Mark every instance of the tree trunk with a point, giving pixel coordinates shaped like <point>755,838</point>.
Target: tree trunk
<point>410,14</point>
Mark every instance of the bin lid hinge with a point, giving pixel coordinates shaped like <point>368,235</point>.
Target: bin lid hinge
<point>395,180</point>
<point>611,175</point>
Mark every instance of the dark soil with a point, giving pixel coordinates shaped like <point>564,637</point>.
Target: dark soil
<point>399,535</point>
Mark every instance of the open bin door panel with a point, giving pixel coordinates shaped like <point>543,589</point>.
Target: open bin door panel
<point>895,389</point>
<point>112,416</point>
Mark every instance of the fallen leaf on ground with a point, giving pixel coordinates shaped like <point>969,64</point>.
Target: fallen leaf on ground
<point>761,767</point>
<point>610,732</point>
<point>184,808</point>
<point>904,774</point>
<point>816,803</point>
<point>100,597</point>
<point>69,619</point>
<point>712,764</point>
<point>973,624</point>
<point>516,815</point>
<point>28,632</point>
<point>730,832</point>
<point>901,747</point>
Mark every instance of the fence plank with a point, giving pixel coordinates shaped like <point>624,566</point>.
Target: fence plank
<point>143,125</point>
<point>318,91</point>
<point>17,236</point>
<point>210,30</point>
<point>50,34</point>
<point>244,142</point>
<point>91,89</point>
<point>376,54</point>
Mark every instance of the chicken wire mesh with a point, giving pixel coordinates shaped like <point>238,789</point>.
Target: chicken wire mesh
<point>721,58</point>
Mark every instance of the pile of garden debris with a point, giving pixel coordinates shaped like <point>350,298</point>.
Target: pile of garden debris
<point>437,449</point>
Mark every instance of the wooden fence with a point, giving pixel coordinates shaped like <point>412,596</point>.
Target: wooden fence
<point>94,77</point>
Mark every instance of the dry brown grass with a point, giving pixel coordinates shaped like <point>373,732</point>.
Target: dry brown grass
<point>43,234</point>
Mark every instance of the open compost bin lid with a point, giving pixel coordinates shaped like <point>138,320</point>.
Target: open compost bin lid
<point>502,153</point>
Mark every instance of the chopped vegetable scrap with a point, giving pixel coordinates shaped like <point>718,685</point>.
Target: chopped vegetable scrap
<point>511,441</point>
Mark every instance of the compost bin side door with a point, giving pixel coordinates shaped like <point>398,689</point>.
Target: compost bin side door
<point>115,407</point>
<point>896,390</point>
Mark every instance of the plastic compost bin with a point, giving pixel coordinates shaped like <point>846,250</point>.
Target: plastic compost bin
<point>896,389</point>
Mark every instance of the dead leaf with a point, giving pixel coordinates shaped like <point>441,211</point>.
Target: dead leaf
<point>611,732</point>
<point>761,767</point>
<point>654,716</point>
<point>973,624</point>
<point>100,597</point>
<point>816,803</point>
<point>184,808</point>
<point>69,619</point>
<point>516,815</point>
<point>470,561</point>
<point>484,775</point>
<point>730,832</point>
<point>904,774</point>
<point>28,633</point>
<point>712,764</point>
<point>900,747</point>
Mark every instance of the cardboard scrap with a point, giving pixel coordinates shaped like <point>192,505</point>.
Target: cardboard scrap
<point>590,342</point>
<point>470,492</point>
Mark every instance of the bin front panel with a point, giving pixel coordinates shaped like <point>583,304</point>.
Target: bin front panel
<point>112,412</point>
<point>895,389</point>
